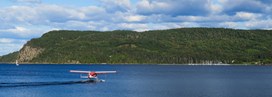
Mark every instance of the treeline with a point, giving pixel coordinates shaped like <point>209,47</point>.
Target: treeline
<point>9,58</point>
<point>173,46</point>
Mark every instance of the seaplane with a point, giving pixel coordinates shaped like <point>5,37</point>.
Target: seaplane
<point>92,75</point>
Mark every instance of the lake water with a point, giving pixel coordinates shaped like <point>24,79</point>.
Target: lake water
<point>136,81</point>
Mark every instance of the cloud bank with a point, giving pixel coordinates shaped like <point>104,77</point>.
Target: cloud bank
<point>22,20</point>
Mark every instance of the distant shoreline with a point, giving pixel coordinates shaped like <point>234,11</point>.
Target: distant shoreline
<point>207,46</point>
<point>138,64</point>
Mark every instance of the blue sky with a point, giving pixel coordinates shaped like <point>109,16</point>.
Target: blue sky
<point>22,20</point>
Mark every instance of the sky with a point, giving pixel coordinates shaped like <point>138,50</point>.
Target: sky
<point>22,20</point>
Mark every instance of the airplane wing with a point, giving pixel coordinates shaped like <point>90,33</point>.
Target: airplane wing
<point>97,72</point>
<point>79,71</point>
<point>104,72</point>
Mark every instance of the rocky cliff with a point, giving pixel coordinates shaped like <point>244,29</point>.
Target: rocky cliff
<point>27,53</point>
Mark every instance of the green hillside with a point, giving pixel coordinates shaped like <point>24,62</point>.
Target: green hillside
<point>9,58</point>
<point>173,46</point>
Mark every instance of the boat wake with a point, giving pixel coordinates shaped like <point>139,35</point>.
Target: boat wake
<point>28,84</point>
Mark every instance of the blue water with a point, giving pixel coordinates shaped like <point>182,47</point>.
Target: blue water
<point>136,81</point>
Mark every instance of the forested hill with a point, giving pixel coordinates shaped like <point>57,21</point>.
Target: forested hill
<point>173,46</point>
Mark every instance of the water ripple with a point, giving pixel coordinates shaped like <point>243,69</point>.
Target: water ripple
<point>27,84</point>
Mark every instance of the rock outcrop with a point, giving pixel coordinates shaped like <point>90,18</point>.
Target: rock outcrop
<point>27,53</point>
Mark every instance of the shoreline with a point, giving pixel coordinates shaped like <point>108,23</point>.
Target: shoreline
<point>138,64</point>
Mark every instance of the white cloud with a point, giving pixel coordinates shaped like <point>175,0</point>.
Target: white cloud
<point>92,11</point>
<point>252,24</point>
<point>146,6</point>
<point>6,40</point>
<point>155,5</point>
<point>15,14</point>
<point>44,14</point>
<point>257,24</point>
<point>8,48</point>
<point>215,6</point>
<point>28,1</point>
<point>55,13</point>
<point>8,45</point>
<point>229,24</point>
<point>134,18</point>
<point>21,32</point>
<point>113,6</point>
<point>133,26</point>
<point>247,15</point>
<point>75,25</point>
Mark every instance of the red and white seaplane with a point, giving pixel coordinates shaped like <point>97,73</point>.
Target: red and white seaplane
<point>92,75</point>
